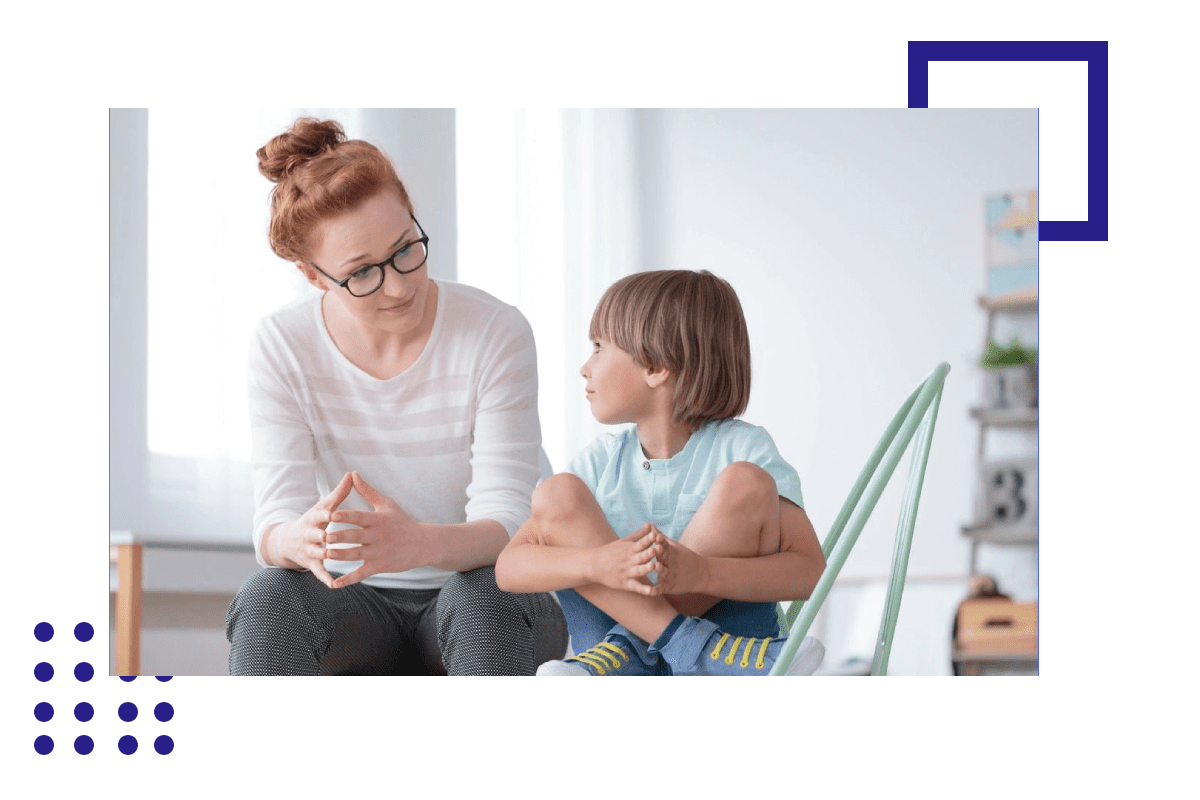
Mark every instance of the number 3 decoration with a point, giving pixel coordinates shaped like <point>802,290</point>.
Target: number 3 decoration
<point>1010,492</point>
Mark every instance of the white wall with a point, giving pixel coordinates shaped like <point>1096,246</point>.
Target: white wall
<point>420,143</point>
<point>127,316</point>
<point>855,241</point>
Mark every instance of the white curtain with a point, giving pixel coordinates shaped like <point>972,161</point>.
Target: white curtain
<point>549,218</point>
<point>190,273</point>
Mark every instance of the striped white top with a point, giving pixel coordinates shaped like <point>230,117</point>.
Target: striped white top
<point>452,439</point>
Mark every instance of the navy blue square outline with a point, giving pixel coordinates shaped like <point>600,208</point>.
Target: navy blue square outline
<point>1095,227</point>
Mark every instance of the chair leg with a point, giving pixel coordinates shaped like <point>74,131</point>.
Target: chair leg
<point>129,608</point>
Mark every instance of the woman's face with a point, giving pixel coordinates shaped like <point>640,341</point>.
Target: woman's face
<point>371,234</point>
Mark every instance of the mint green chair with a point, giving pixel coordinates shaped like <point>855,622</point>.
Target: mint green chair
<point>921,409</point>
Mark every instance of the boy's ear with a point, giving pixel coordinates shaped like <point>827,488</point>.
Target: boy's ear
<point>657,376</point>
<point>311,276</point>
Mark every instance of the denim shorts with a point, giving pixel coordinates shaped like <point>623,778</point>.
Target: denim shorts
<point>588,625</point>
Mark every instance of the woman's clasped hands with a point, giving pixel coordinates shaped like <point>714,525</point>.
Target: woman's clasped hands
<point>387,539</point>
<point>300,543</point>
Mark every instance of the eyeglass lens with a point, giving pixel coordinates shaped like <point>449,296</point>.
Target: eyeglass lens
<point>407,259</point>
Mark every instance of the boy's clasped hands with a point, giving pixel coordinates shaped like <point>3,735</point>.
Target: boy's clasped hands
<point>628,562</point>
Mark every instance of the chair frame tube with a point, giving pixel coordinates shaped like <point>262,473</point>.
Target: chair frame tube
<point>921,409</point>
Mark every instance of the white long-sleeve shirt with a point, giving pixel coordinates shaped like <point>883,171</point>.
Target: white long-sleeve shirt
<point>454,438</point>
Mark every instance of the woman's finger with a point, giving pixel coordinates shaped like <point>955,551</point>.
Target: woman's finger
<point>360,518</point>
<point>318,569</point>
<point>344,553</point>
<point>352,578</point>
<point>368,492</point>
<point>324,577</point>
<point>316,518</point>
<point>339,494</point>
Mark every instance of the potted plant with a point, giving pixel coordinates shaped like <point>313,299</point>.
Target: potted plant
<point>1012,375</point>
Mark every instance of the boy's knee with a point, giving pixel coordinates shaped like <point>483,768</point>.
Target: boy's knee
<point>559,496</point>
<point>744,485</point>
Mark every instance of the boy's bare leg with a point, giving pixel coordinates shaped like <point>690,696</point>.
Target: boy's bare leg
<point>738,519</point>
<point>566,514</point>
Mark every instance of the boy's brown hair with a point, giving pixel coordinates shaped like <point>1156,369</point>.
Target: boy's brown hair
<point>690,323</point>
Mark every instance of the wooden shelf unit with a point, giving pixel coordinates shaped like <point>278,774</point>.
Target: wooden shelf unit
<point>1005,417</point>
<point>981,533</point>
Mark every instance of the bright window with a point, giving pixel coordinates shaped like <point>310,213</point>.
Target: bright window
<point>211,273</point>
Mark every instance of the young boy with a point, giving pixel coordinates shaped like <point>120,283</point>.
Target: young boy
<point>670,543</point>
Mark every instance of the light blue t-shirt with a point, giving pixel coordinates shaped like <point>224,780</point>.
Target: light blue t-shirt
<point>633,490</point>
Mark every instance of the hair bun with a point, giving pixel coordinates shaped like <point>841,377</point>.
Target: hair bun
<point>307,138</point>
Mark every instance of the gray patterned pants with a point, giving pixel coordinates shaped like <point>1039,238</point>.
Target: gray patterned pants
<point>285,622</point>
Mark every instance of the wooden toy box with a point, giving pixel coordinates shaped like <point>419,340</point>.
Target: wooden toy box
<point>997,626</point>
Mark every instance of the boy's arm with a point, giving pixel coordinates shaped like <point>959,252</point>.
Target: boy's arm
<point>528,565</point>
<point>790,574</point>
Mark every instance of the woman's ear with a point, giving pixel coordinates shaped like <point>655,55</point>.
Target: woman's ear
<point>311,275</point>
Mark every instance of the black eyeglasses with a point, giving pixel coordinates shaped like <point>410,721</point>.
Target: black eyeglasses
<point>367,280</point>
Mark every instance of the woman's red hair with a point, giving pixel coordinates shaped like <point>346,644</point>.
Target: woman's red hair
<point>319,174</point>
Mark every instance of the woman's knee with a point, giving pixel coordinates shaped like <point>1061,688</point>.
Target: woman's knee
<point>269,597</point>
<point>474,601</point>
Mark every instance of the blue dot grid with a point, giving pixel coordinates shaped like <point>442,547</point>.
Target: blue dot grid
<point>84,712</point>
<point>127,712</point>
<point>84,632</point>
<point>1095,227</point>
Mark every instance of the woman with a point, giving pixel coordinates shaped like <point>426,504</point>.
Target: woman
<point>395,442</point>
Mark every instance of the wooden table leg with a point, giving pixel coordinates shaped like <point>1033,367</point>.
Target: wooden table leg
<point>129,608</point>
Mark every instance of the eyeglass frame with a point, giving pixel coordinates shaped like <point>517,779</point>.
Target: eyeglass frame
<point>389,261</point>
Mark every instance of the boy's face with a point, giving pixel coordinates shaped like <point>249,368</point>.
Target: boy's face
<point>616,386</point>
